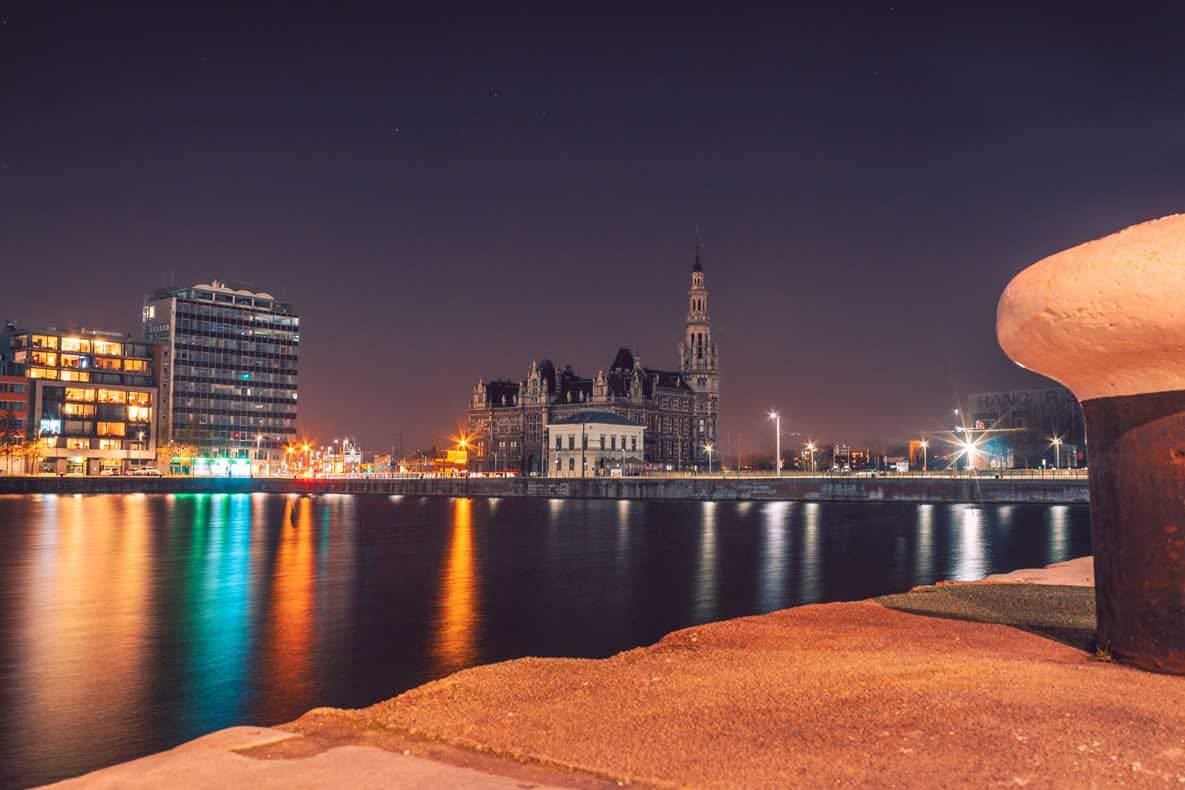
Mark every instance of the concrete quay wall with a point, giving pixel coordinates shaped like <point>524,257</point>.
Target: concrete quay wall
<point>823,489</point>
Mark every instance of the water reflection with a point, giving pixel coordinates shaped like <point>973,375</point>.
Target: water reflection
<point>773,577</point>
<point>457,620</point>
<point>88,576</point>
<point>971,561</point>
<point>809,572</point>
<point>705,572</point>
<point>923,548</point>
<point>290,612</point>
<point>1058,519</point>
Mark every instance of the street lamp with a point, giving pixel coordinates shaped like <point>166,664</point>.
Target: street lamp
<point>777,418</point>
<point>708,449</point>
<point>810,446</point>
<point>1057,452</point>
<point>924,444</point>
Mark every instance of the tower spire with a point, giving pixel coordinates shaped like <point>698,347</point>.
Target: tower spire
<point>699,251</point>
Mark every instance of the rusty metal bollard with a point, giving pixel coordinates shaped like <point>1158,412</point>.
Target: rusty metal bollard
<point>1107,319</point>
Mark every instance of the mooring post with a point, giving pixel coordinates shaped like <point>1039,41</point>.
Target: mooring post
<point>1107,319</point>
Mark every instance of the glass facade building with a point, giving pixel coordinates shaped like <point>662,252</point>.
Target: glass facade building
<point>229,370</point>
<point>91,398</point>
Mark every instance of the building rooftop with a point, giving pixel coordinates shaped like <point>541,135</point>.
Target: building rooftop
<point>596,416</point>
<point>226,292</point>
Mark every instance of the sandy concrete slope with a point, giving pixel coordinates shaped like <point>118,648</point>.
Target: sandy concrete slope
<point>836,694</point>
<point>215,762</point>
<point>1078,572</point>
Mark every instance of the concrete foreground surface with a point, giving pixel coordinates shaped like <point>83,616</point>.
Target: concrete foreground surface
<point>928,688</point>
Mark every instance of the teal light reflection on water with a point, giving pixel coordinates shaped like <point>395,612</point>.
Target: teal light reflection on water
<point>217,608</point>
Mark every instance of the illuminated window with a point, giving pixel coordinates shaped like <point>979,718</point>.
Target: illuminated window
<point>139,399</point>
<point>135,365</point>
<point>110,444</point>
<point>78,409</point>
<point>75,375</point>
<point>75,443</point>
<point>78,394</point>
<point>45,341</point>
<point>108,349</point>
<point>44,358</point>
<point>113,396</point>
<point>108,364</point>
<point>76,344</point>
<point>139,414</point>
<point>42,373</point>
<point>71,361</point>
<point>111,429</point>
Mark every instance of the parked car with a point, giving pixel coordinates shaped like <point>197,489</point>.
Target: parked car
<point>146,471</point>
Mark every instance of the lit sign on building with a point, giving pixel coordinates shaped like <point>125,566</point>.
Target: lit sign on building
<point>51,427</point>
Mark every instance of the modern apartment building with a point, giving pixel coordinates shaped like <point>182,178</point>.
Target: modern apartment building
<point>228,377</point>
<point>91,397</point>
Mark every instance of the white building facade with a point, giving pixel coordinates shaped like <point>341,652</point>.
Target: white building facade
<point>595,444</point>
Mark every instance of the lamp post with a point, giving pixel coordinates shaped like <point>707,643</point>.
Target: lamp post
<point>1057,452</point>
<point>777,418</point>
<point>258,441</point>
<point>924,443</point>
<point>810,446</point>
<point>708,449</point>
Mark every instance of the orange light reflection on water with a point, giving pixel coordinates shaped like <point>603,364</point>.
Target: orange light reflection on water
<point>90,575</point>
<point>456,622</point>
<point>291,612</point>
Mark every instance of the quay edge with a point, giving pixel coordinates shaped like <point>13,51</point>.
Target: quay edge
<point>988,490</point>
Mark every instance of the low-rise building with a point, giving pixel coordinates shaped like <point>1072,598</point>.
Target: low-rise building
<point>91,397</point>
<point>594,444</point>
<point>14,418</point>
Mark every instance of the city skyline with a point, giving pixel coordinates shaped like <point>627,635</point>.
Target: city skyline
<point>423,189</point>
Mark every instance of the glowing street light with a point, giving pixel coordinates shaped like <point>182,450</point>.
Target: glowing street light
<point>924,444</point>
<point>810,446</point>
<point>708,449</point>
<point>777,418</point>
<point>969,448</point>
<point>1057,452</point>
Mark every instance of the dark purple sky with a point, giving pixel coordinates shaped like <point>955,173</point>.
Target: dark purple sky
<point>450,195</point>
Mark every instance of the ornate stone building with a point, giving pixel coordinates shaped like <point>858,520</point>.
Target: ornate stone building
<point>507,420</point>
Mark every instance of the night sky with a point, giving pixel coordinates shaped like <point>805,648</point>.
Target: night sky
<point>450,194</point>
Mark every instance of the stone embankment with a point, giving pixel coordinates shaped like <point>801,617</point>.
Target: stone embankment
<point>1047,490</point>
